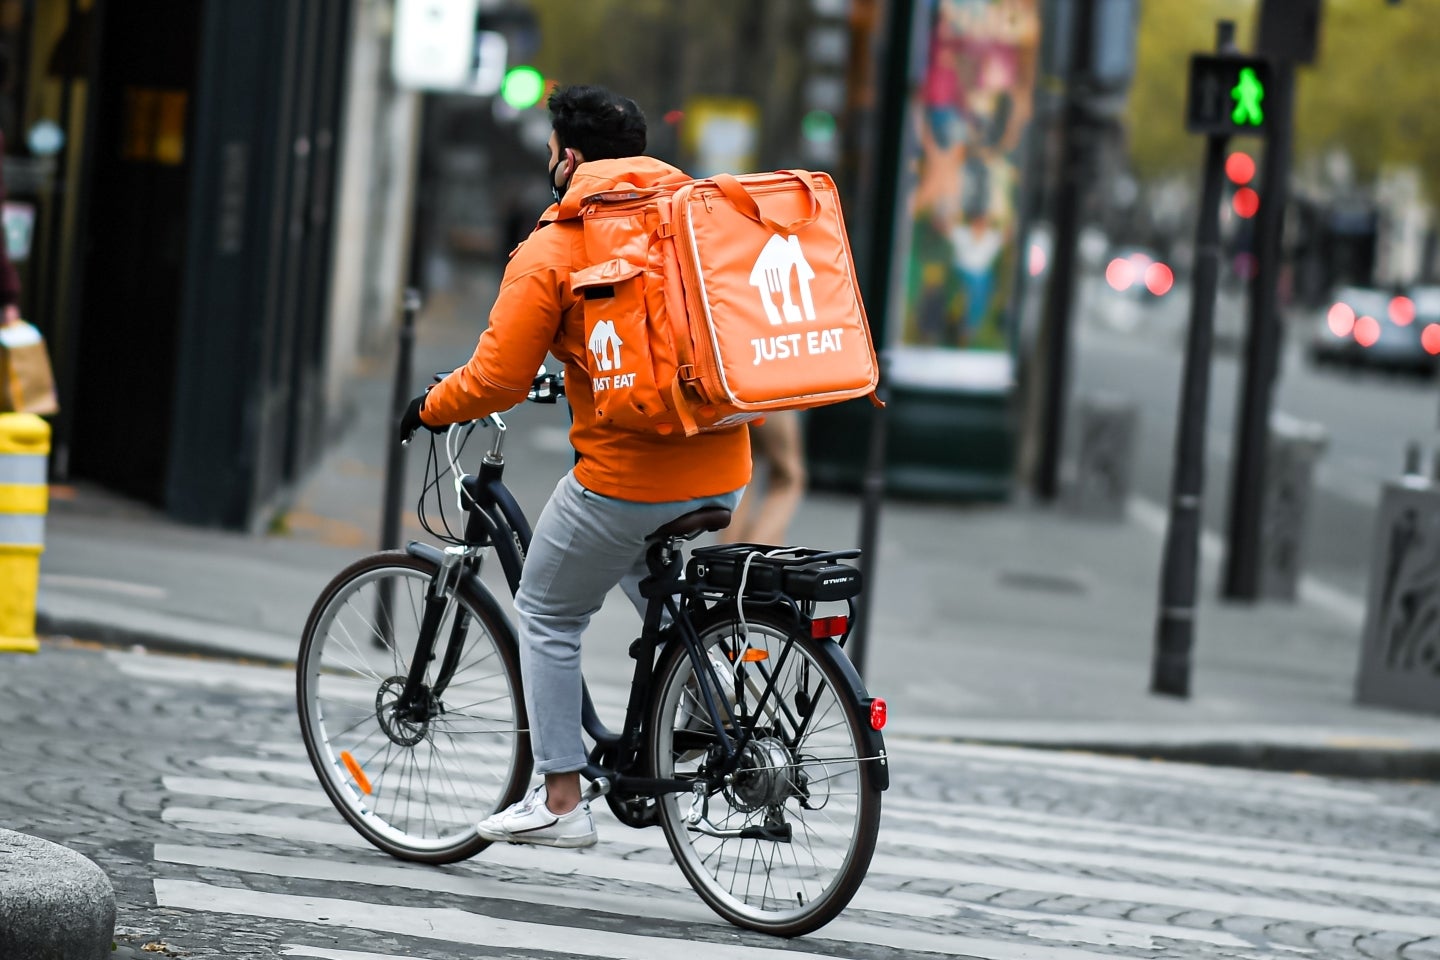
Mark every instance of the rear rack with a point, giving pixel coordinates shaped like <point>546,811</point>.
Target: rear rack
<point>769,572</point>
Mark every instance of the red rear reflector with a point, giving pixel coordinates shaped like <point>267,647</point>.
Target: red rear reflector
<point>877,714</point>
<point>828,627</point>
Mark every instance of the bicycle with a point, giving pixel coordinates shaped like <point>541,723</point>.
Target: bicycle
<point>748,736</point>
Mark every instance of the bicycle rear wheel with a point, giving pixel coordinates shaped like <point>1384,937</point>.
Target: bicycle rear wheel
<point>803,793</point>
<point>414,786</point>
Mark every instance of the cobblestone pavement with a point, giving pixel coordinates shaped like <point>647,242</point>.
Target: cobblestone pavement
<point>186,781</point>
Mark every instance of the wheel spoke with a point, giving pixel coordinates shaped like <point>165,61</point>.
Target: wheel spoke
<point>792,702</point>
<point>413,786</point>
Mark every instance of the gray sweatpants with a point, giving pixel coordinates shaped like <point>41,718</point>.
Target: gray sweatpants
<point>584,544</point>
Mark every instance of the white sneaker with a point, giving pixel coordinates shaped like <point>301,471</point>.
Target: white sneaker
<point>530,821</point>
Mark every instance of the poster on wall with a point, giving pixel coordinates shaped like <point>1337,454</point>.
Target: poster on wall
<point>970,110</point>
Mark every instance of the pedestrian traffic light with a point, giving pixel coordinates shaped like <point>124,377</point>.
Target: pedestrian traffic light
<point>1245,203</point>
<point>523,87</point>
<point>1227,95</point>
<point>1240,168</point>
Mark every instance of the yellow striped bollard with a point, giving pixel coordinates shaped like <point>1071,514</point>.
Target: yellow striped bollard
<point>24,497</point>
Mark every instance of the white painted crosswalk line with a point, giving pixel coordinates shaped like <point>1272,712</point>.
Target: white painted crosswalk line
<point>324,953</point>
<point>458,926</point>
<point>685,909</point>
<point>596,863</point>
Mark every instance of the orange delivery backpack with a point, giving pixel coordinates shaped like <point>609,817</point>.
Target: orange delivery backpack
<point>713,302</point>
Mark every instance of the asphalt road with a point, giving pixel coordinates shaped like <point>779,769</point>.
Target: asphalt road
<point>1368,416</point>
<point>185,780</point>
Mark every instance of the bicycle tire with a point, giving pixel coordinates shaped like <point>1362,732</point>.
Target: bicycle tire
<point>799,910</point>
<point>358,685</point>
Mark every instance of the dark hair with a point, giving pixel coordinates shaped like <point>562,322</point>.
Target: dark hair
<point>598,123</point>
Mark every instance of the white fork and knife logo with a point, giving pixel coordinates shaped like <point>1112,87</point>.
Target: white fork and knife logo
<point>771,275</point>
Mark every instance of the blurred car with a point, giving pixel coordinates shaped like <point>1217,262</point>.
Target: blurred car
<point>1135,281</point>
<point>1138,273</point>
<point>1372,328</point>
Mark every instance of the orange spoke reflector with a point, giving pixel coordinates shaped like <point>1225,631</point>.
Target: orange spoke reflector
<point>362,781</point>
<point>752,655</point>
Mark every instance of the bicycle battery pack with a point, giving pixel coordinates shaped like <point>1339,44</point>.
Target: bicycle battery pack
<point>801,574</point>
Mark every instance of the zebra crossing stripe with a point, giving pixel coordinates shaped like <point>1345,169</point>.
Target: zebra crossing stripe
<point>597,862</point>
<point>458,926</point>
<point>682,910</point>
<point>1054,840</point>
<point>449,925</point>
<point>288,828</point>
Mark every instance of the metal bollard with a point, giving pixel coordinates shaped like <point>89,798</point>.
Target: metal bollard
<point>1400,642</point>
<point>1100,484</point>
<point>1293,450</point>
<point>24,499</point>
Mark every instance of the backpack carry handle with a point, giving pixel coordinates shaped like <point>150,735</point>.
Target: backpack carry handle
<point>736,193</point>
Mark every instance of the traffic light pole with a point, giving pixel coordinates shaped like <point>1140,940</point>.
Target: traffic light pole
<point>1262,348</point>
<point>1175,626</point>
<point>1060,292</point>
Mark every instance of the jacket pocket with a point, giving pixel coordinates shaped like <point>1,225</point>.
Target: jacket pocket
<point>618,345</point>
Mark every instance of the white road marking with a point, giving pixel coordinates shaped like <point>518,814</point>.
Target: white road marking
<point>598,863</point>
<point>458,926</point>
<point>65,581</point>
<point>1049,926</point>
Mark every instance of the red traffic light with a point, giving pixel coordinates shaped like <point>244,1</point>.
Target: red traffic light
<point>1246,203</point>
<point>1240,168</point>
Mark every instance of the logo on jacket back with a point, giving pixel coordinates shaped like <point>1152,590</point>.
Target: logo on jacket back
<point>771,275</point>
<point>781,261</point>
<point>605,343</point>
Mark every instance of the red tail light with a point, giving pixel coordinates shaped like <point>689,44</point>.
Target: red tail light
<point>822,627</point>
<point>878,714</point>
<point>1367,331</point>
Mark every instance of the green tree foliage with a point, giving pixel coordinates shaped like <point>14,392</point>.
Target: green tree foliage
<point>663,53</point>
<point>1169,33</point>
<point>1368,92</point>
<point>1371,90</point>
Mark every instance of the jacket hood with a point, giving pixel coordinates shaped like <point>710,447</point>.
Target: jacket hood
<point>603,176</point>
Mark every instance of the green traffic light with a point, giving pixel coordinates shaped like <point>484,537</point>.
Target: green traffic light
<point>1247,94</point>
<point>522,88</point>
<point>818,126</point>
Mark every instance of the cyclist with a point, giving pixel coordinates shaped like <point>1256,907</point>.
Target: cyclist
<point>625,484</point>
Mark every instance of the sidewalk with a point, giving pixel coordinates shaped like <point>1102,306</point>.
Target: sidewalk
<point>1013,624</point>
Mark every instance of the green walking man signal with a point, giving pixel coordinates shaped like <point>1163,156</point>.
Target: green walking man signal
<point>1227,95</point>
<point>1247,94</point>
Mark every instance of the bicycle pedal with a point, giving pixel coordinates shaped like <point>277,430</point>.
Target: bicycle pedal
<point>598,788</point>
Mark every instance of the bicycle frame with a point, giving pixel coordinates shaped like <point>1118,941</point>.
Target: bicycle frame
<point>494,519</point>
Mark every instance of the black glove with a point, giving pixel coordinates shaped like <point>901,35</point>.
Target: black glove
<point>410,421</point>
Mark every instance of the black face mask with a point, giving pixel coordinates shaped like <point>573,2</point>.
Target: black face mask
<point>555,191</point>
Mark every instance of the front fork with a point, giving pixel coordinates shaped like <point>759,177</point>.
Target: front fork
<point>440,599</point>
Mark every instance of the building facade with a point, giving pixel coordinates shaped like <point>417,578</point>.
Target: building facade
<point>208,205</point>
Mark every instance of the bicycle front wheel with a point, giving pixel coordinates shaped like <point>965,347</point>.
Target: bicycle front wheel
<point>786,843</point>
<point>413,783</point>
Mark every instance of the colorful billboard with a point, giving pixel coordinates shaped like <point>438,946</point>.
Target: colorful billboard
<point>970,110</point>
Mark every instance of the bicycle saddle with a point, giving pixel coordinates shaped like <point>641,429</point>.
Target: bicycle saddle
<point>694,523</point>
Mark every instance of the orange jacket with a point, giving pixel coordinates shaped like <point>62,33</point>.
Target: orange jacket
<point>537,313</point>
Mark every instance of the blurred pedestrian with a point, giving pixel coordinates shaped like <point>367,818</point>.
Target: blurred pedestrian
<point>9,279</point>
<point>764,516</point>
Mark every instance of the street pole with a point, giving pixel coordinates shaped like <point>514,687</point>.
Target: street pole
<point>1175,629</point>
<point>1075,135</point>
<point>1288,34</point>
<point>888,214</point>
<point>1262,348</point>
